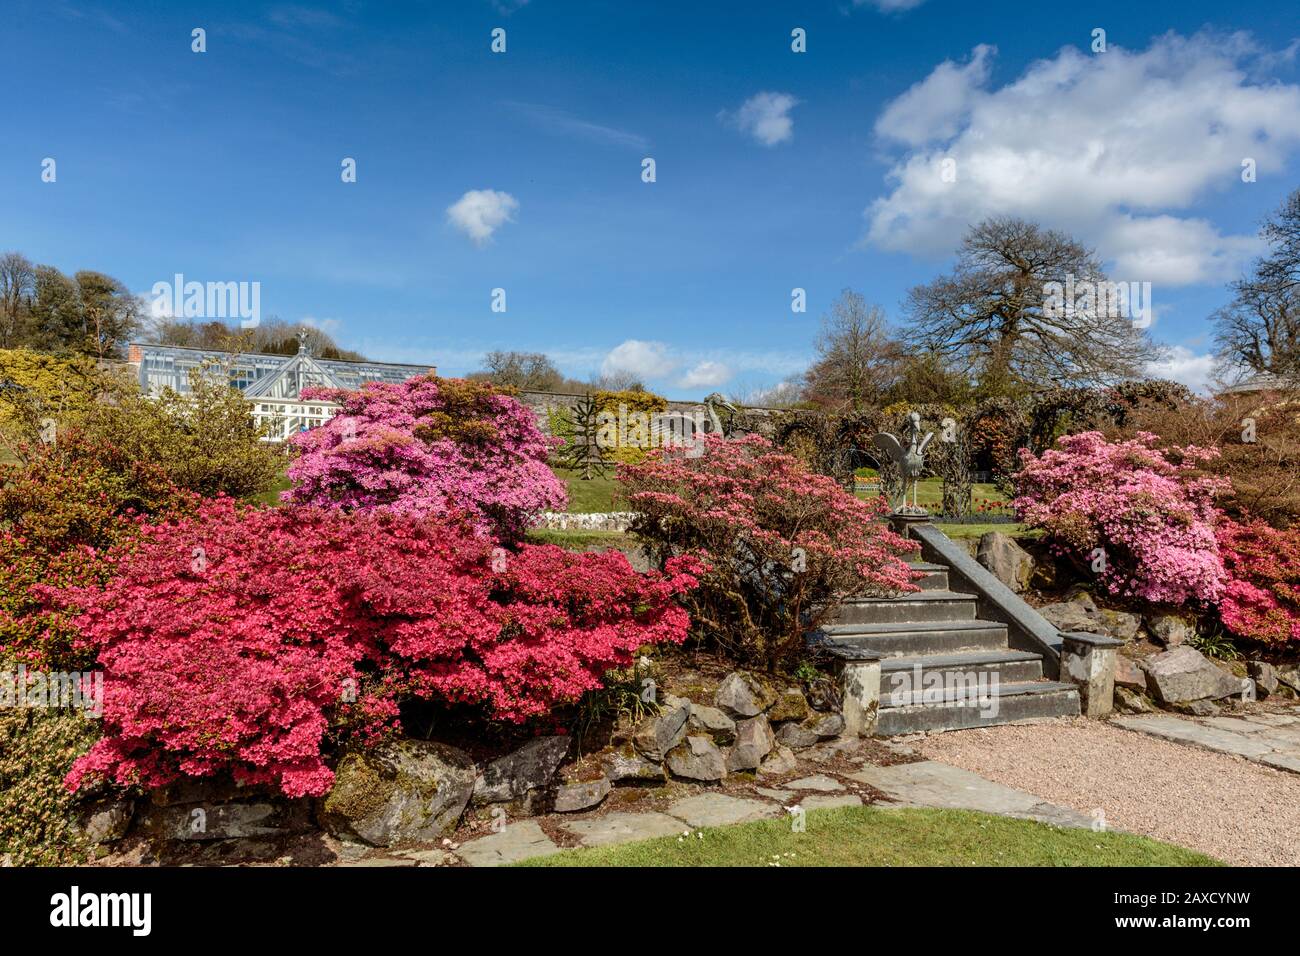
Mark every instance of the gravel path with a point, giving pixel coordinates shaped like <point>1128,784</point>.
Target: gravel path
<point>1225,806</point>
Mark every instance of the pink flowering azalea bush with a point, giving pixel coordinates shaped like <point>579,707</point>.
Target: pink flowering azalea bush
<point>1261,600</point>
<point>1150,512</point>
<point>782,544</point>
<point>428,446</point>
<point>247,640</point>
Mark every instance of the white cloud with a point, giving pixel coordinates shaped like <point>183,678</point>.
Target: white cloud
<point>1109,147</point>
<point>563,123</point>
<point>765,116</point>
<point>1181,364</point>
<point>645,360</point>
<point>480,212</point>
<point>706,374</point>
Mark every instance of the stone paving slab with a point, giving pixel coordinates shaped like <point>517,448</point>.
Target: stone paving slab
<point>518,841</point>
<point>829,801</point>
<point>613,828</point>
<point>718,809</point>
<point>932,784</point>
<point>1274,742</point>
<point>816,782</point>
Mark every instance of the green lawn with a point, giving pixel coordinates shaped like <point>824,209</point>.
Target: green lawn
<point>590,497</point>
<point>577,540</point>
<point>864,836</point>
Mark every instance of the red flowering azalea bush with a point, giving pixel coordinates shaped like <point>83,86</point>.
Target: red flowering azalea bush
<point>1148,511</point>
<point>242,640</point>
<point>61,506</point>
<point>1261,600</point>
<point>782,544</point>
<point>428,446</point>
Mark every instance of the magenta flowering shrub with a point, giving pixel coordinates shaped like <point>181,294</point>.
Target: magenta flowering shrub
<point>1149,512</point>
<point>428,446</point>
<point>1261,601</point>
<point>243,640</point>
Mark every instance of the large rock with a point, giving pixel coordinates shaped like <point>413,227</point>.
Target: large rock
<point>236,820</point>
<point>1081,613</point>
<point>1006,560</point>
<point>531,767</point>
<point>780,760</point>
<point>624,766</point>
<point>743,695</point>
<point>572,797</point>
<point>1290,678</point>
<point>697,758</point>
<point>754,741</point>
<point>1184,674</point>
<point>808,732</point>
<point>1265,676</point>
<point>660,733</point>
<point>1129,674</point>
<point>791,705</point>
<point>400,791</point>
<point>712,723</point>
<point>1129,701</point>
<point>107,821</point>
<point>1171,630</point>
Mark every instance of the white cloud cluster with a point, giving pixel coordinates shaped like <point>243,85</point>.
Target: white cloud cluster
<point>765,116</point>
<point>1112,147</point>
<point>480,212</point>
<point>1181,364</point>
<point>694,370</point>
<point>889,6</point>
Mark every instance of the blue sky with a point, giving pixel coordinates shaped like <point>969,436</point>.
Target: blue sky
<point>775,169</point>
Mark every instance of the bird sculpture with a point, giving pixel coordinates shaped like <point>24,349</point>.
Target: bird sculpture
<point>910,460</point>
<point>712,402</point>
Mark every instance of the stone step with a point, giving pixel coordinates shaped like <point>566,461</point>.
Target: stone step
<point>1012,667</point>
<point>936,576</point>
<point>926,637</point>
<point>1020,701</point>
<point>916,607</point>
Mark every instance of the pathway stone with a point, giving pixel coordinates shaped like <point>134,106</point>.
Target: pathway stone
<point>829,801</point>
<point>1267,742</point>
<point>615,828</point>
<point>718,809</point>
<point>932,784</point>
<point>816,782</point>
<point>518,841</point>
<point>781,795</point>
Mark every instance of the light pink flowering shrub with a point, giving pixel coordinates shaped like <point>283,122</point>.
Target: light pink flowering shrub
<point>1150,514</point>
<point>428,446</point>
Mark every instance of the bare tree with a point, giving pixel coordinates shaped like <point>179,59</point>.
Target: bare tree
<point>17,286</point>
<point>857,358</point>
<point>995,316</point>
<point>526,371</point>
<point>1259,329</point>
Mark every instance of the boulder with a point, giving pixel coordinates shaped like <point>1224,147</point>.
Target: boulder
<point>1171,630</point>
<point>1081,613</point>
<point>107,821</point>
<point>712,723</point>
<point>1129,701</point>
<point>1265,676</point>
<point>1184,674</point>
<point>624,766</point>
<point>743,695</point>
<point>1129,674</point>
<point>780,760</point>
<point>1199,708</point>
<point>530,767</point>
<point>790,705</point>
<point>660,733</point>
<point>227,821</point>
<point>1005,560</point>
<point>1290,678</point>
<point>572,797</point>
<point>697,758</point>
<point>810,731</point>
<point>399,791</point>
<point>754,741</point>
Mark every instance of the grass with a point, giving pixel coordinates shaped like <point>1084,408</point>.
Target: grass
<point>589,497</point>
<point>577,540</point>
<point>865,836</point>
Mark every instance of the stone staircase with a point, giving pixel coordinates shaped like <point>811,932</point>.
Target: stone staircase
<point>934,639</point>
